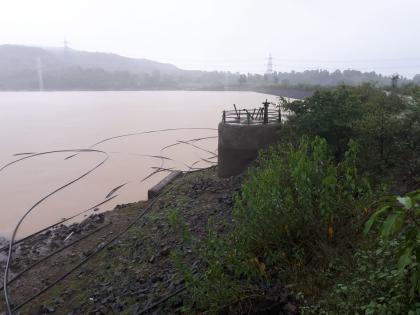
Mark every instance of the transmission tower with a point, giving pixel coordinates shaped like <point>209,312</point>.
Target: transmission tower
<point>269,65</point>
<point>65,44</point>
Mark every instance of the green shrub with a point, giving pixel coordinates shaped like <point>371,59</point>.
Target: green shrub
<point>399,218</point>
<point>297,197</point>
<point>385,277</point>
<point>294,205</point>
<point>374,286</point>
<point>385,125</point>
<point>329,114</point>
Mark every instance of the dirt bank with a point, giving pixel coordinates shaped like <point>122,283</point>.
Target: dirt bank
<point>136,270</point>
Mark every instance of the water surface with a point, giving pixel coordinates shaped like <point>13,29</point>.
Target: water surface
<point>46,121</point>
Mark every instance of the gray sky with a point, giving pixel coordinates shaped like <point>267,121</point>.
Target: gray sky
<point>234,35</point>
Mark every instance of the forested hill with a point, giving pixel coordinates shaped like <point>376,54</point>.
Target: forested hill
<point>34,68</point>
<point>15,58</point>
<point>65,68</point>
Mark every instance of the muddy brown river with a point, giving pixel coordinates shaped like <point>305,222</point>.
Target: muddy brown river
<point>35,122</point>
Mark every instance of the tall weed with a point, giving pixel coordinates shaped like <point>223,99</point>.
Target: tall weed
<point>295,203</point>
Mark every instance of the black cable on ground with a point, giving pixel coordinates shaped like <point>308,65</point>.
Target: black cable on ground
<point>9,256</point>
<point>162,300</point>
<point>55,253</point>
<point>158,170</point>
<point>200,169</point>
<point>81,263</point>
<point>60,222</point>
<point>107,200</point>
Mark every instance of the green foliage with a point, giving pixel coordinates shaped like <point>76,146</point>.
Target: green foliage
<point>410,139</point>
<point>373,286</point>
<point>379,127</point>
<point>293,206</point>
<point>297,196</point>
<point>299,213</point>
<point>328,114</point>
<point>179,225</point>
<point>221,286</point>
<point>385,277</point>
<point>385,124</point>
<point>409,89</point>
<point>399,218</point>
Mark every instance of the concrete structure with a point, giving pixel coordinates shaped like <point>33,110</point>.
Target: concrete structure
<point>157,189</point>
<point>239,144</point>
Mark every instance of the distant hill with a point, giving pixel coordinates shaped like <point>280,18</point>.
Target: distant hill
<point>65,68</point>
<point>33,68</point>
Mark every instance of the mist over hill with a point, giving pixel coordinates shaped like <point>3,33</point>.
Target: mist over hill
<point>23,67</point>
<point>35,68</point>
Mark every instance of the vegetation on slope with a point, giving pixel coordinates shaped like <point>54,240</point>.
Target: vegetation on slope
<point>300,216</point>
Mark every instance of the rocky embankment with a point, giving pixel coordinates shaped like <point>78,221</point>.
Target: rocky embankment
<point>43,244</point>
<point>136,271</point>
<point>3,256</point>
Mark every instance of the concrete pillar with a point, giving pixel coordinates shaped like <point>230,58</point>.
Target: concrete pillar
<point>239,145</point>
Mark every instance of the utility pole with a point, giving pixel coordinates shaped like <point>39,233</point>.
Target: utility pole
<point>269,70</point>
<point>266,103</point>
<point>40,76</point>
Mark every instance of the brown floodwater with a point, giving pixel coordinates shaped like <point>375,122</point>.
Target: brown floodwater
<point>34,122</point>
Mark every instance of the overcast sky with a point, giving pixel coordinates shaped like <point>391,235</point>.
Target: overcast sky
<point>234,35</point>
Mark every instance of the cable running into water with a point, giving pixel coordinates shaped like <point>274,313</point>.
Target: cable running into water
<point>9,256</point>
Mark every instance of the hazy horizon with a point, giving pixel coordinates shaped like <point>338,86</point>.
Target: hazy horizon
<point>236,36</point>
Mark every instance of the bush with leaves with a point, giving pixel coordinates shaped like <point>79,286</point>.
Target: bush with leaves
<point>329,114</point>
<point>294,204</point>
<point>410,141</point>
<point>385,124</point>
<point>399,218</point>
<point>381,124</point>
<point>373,286</point>
<point>297,197</point>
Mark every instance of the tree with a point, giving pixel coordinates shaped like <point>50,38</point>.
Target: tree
<point>242,79</point>
<point>328,114</point>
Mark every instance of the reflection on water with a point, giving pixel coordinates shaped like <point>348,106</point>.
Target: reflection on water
<point>46,121</point>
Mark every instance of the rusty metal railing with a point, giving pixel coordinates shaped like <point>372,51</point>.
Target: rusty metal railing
<point>262,115</point>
